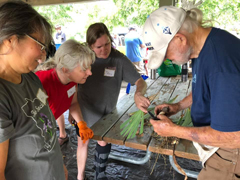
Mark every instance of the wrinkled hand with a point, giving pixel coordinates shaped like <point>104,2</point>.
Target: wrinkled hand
<point>141,102</point>
<point>163,127</point>
<point>84,131</point>
<point>173,109</point>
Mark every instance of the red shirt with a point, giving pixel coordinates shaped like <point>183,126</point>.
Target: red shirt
<point>59,95</point>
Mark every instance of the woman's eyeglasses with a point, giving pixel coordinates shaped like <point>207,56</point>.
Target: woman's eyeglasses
<point>43,46</point>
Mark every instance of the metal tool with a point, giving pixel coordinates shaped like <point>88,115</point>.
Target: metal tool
<point>165,110</point>
<point>154,117</point>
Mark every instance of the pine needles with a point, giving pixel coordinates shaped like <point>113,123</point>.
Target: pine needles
<point>186,120</point>
<point>130,127</point>
<point>132,124</point>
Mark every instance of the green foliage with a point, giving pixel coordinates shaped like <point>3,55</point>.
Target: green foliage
<point>222,13</point>
<point>57,14</point>
<point>133,11</point>
<point>115,13</point>
<point>132,124</point>
<point>186,120</point>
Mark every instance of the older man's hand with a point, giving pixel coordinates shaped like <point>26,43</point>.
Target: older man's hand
<point>172,109</point>
<point>164,126</point>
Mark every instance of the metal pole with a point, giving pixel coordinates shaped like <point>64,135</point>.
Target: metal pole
<point>192,174</point>
<point>153,74</point>
<point>132,160</point>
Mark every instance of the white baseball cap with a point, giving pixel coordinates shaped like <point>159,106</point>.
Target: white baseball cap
<point>159,29</point>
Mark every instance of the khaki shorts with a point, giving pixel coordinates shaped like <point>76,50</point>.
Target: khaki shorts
<point>222,165</point>
<point>139,68</point>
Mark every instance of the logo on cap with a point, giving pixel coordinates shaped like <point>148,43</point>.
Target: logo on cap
<point>166,30</point>
<point>151,48</point>
<point>148,44</point>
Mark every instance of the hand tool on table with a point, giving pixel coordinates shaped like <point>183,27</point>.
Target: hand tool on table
<point>154,117</point>
<point>163,111</point>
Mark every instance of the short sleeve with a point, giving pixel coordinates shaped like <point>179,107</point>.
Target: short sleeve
<point>130,73</point>
<point>225,101</point>
<point>6,124</point>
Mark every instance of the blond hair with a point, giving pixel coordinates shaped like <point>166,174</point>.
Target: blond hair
<point>69,55</point>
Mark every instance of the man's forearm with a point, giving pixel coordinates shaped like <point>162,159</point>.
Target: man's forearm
<point>186,102</point>
<point>208,136</point>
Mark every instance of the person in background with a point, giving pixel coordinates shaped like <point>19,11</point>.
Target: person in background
<point>70,65</point>
<point>133,45</point>
<point>180,35</point>
<point>116,40</point>
<point>60,36</point>
<point>145,59</point>
<point>99,95</point>
<point>28,141</point>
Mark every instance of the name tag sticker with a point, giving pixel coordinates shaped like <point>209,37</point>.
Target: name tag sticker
<point>109,71</point>
<point>71,91</point>
<point>42,96</point>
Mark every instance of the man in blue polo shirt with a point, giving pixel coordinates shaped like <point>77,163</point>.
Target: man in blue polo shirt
<point>133,44</point>
<point>179,35</point>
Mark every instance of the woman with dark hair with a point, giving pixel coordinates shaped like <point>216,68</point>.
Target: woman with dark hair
<point>28,141</point>
<point>99,95</point>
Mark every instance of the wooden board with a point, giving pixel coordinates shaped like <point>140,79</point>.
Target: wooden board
<point>187,150</point>
<point>184,148</point>
<point>181,92</point>
<point>101,127</point>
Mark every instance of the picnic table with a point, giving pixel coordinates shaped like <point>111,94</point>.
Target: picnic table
<point>161,89</point>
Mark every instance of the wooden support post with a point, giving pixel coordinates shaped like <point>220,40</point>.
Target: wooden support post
<point>166,2</point>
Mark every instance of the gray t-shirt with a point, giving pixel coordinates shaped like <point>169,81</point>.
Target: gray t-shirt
<point>27,121</point>
<point>99,95</point>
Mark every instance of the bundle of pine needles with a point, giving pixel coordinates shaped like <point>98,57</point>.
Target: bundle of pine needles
<point>186,120</point>
<point>130,127</point>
